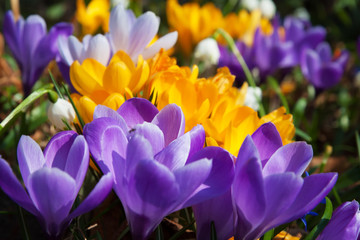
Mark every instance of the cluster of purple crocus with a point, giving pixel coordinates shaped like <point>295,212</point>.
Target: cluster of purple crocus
<point>302,44</point>
<point>155,169</point>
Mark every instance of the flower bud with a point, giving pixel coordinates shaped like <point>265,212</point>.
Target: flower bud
<point>267,8</point>
<point>253,95</point>
<point>250,4</point>
<point>207,51</point>
<point>60,110</point>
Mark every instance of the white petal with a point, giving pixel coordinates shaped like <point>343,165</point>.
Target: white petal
<point>75,48</point>
<point>98,49</point>
<point>119,28</point>
<point>166,42</point>
<point>64,51</point>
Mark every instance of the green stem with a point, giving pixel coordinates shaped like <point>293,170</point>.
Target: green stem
<point>81,121</point>
<point>23,223</point>
<point>235,51</point>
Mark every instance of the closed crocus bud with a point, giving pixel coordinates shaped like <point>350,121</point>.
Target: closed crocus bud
<point>253,95</point>
<point>250,4</point>
<point>267,8</point>
<point>207,51</point>
<point>60,110</point>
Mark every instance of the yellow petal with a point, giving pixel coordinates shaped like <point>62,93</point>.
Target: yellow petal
<point>114,101</point>
<point>140,75</point>
<point>117,76</point>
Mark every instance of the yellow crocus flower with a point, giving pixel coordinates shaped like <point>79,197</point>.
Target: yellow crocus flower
<point>109,85</point>
<point>94,15</point>
<point>192,22</point>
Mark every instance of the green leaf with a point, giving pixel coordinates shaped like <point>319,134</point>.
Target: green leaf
<point>268,235</point>
<point>323,222</point>
<point>357,143</point>
<point>303,135</point>
<point>299,110</point>
<point>22,107</point>
<point>159,233</point>
<point>275,86</point>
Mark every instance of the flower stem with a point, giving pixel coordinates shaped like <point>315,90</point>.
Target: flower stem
<point>23,223</point>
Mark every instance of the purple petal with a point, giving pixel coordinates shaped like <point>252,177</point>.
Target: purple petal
<point>57,150</point>
<point>142,32</point>
<point>138,149</point>
<point>96,196</point>
<point>176,153</point>
<point>218,210</point>
<point>311,64</point>
<point>328,76</point>
<point>104,136</point>
<point>137,110</point>
<point>314,189</point>
<point>103,111</point>
<point>344,224</point>
<point>13,34</point>
<point>220,177</point>
<point>119,27</point>
<point>30,157</point>
<point>343,59</point>
<point>248,187</point>
<point>267,140</point>
<point>293,157</point>
<point>77,161</point>
<point>189,178</point>
<point>152,133</point>
<point>197,136</point>
<point>53,193</point>
<point>171,121</point>
<point>166,42</point>
<point>13,188</point>
<point>324,52</point>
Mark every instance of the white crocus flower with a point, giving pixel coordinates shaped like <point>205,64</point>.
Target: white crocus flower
<point>133,35</point>
<point>60,110</point>
<point>252,97</point>
<point>250,4</point>
<point>96,47</point>
<point>268,8</point>
<point>125,3</point>
<point>207,51</point>
<point>302,13</point>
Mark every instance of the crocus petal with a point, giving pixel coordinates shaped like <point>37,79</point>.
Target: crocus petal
<point>57,150</point>
<point>176,153</point>
<point>142,32</point>
<point>190,177</point>
<point>30,157</point>
<point>98,49</point>
<point>53,193</point>
<point>293,157</point>
<point>166,42</point>
<point>104,136</point>
<point>248,187</point>
<point>220,178</point>
<point>75,48</point>
<point>197,136</point>
<point>13,32</point>
<point>314,189</point>
<point>311,64</point>
<point>13,188</point>
<point>104,111</point>
<point>63,46</point>
<point>137,110</point>
<point>324,52</point>
<point>218,210</point>
<point>344,224</point>
<point>138,148</point>
<point>343,59</point>
<point>328,76</point>
<point>152,133</point>
<point>96,196</point>
<point>171,121</point>
<point>119,27</point>
<point>77,161</point>
<point>267,140</point>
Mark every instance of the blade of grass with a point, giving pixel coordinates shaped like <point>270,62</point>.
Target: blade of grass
<point>275,86</point>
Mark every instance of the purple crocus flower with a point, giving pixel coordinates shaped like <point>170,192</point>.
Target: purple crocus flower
<point>32,48</point>
<point>157,168</point>
<point>344,224</point>
<point>302,35</point>
<point>53,180</point>
<point>321,69</point>
<point>268,189</point>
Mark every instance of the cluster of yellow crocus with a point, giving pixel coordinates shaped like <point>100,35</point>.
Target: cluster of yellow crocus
<point>94,15</point>
<point>195,23</point>
<point>212,102</point>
